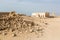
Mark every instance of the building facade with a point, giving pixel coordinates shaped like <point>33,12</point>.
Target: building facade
<point>41,15</point>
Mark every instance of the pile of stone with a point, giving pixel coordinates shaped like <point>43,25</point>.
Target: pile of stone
<point>18,23</point>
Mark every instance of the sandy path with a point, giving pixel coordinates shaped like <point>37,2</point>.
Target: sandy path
<point>53,29</point>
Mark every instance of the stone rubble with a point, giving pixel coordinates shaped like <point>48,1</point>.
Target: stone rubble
<point>18,23</point>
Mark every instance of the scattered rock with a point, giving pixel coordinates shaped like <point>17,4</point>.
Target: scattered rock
<point>46,23</point>
<point>5,33</point>
<point>13,30</point>
<point>14,35</point>
<point>18,23</point>
<point>32,31</point>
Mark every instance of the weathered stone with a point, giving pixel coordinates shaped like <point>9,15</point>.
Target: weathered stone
<point>14,35</point>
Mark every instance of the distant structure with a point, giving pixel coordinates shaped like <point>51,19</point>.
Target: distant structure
<point>53,14</point>
<point>41,15</point>
<point>6,14</point>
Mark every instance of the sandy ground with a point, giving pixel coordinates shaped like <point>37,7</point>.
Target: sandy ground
<point>51,32</point>
<point>53,29</point>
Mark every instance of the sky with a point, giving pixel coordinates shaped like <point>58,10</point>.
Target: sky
<point>30,6</point>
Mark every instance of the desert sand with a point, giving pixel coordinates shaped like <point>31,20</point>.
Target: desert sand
<point>29,28</point>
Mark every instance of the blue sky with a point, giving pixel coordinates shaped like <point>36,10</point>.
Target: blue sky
<point>29,6</point>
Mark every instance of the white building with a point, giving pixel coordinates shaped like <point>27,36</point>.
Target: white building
<point>42,15</point>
